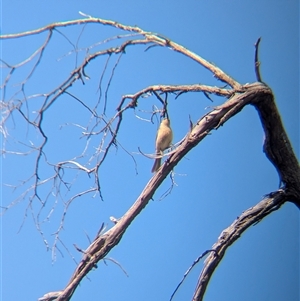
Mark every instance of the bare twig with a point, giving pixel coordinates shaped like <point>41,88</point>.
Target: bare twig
<point>257,62</point>
<point>188,271</point>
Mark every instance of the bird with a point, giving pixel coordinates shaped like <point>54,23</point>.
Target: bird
<point>163,140</point>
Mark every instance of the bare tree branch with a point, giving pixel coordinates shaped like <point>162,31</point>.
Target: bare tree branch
<point>256,62</point>
<point>228,236</point>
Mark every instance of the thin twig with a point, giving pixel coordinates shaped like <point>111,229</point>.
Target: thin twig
<point>256,61</point>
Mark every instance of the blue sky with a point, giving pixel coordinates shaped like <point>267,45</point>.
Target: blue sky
<point>223,176</point>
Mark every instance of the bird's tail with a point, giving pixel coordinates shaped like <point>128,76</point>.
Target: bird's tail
<point>156,165</point>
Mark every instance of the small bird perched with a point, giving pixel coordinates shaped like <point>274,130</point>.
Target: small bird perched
<point>164,138</point>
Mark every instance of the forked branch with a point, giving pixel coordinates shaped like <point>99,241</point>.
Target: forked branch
<point>228,236</point>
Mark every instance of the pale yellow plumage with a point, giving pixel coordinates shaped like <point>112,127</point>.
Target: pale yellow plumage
<point>163,141</point>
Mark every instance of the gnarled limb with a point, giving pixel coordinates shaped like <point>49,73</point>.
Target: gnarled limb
<point>228,236</point>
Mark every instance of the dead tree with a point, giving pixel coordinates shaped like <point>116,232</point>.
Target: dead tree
<point>276,144</point>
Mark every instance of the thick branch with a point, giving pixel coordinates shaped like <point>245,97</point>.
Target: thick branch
<point>248,218</point>
<point>278,147</point>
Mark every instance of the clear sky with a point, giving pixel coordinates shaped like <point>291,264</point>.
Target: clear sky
<point>223,176</point>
